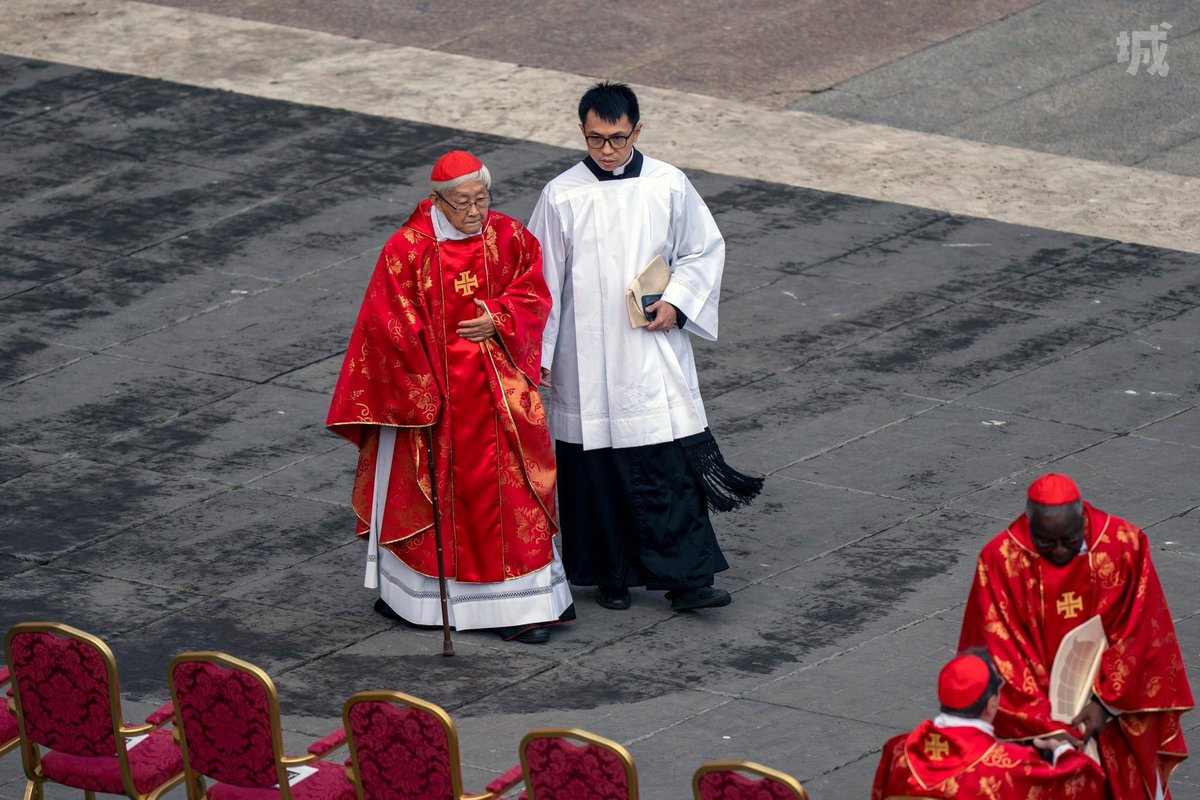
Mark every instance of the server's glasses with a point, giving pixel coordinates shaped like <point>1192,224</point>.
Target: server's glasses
<point>618,140</point>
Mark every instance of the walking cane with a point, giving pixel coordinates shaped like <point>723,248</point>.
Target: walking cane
<point>447,645</point>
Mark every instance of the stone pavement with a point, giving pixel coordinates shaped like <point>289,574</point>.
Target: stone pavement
<point>180,269</point>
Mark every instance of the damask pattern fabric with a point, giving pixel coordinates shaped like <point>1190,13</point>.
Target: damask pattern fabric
<point>403,753</point>
<point>151,762</point>
<point>226,723</point>
<point>730,785</point>
<point>561,770</point>
<point>64,693</point>
<point>329,782</point>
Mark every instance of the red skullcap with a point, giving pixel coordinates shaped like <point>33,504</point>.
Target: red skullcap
<point>455,164</point>
<point>1053,489</point>
<point>963,681</point>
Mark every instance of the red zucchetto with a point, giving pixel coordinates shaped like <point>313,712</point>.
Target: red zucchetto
<point>453,165</point>
<point>1053,489</point>
<point>963,681</point>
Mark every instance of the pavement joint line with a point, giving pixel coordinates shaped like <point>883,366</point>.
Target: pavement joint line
<point>677,723</point>
<point>790,147</point>
<point>963,402</point>
<point>851,440</point>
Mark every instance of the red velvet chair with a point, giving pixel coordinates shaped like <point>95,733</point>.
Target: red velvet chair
<point>227,716</point>
<point>67,703</point>
<point>556,768</point>
<point>404,748</point>
<point>744,780</point>
<point>10,731</point>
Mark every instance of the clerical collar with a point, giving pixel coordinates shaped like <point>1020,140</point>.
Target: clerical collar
<point>630,169</point>
<point>945,720</point>
<point>444,229</point>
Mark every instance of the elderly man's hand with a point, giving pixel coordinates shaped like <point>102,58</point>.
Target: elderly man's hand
<point>479,328</point>
<point>1091,720</point>
<point>665,316</point>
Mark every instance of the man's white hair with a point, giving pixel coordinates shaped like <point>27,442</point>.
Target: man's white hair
<point>481,174</point>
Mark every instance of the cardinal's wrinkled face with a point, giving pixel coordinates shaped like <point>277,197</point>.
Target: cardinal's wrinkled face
<point>1057,531</point>
<point>465,205</point>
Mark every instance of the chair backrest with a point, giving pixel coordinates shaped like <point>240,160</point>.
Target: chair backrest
<point>401,747</point>
<point>744,780</point>
<point>227,714</point>
<point>556,768</point>
<point>64,684</point>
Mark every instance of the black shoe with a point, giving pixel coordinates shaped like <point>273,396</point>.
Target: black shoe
<point>385,611</point>
<point>533,636</point>
<point>615,597</point>
<point>704,597</point>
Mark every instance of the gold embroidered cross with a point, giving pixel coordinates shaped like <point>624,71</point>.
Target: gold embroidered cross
<point>1069,605</point>
<point>466,283</point>
<point>936,747</point>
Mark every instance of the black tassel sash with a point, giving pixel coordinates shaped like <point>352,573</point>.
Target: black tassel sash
<point>724,487</point>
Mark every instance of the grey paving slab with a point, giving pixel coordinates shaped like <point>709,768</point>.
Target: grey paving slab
<point>1141,291</point>
<point>74,501</point>
<point>295,324</point>
<point>958,257</point>
<point>16,460</point>
<point>44,166</point>
<point>911,569</point>
<point>275,639</point>
<point>126,298</point>
<point>219,544</point>
<point>234,440</point>
<point>26,263</point>
<point>1046,78</point>
<point>31,88</point>
<point>24,357</point>
<point>953,352</point>
<point>785,418</point>
<point>943,454</point>
<point>1142,481</point>
<point>772,735</point>
<point>1180,533</point>
<point>905,662</point>
<point>1182,428</point>
<point>1177,572</point>
<point>54,413</point>
<point>1125,384</point>
<point>394,657</point>
<point>134,206</point>
<point>320,376</point>
<point>88,601</point>
<point>315,477</point>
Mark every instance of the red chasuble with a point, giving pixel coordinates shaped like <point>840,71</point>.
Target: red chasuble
<point>407,368</point>
<point>1021,605</point>
<point>965,762</point>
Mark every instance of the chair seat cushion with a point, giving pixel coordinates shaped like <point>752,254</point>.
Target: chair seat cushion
<point>9,729</point>
<point>152,762</point>
<point>329,782</point>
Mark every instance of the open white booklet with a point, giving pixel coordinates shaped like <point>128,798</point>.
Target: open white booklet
<point>1074,671</point>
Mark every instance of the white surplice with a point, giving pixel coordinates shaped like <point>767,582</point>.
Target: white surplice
<point>614,385</point>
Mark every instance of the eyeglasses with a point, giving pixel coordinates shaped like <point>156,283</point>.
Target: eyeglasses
<point>618,140</point>
<point>481,203</point>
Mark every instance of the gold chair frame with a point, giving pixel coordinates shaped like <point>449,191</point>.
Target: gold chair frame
<point>31,756</point>
<point>7,747</point>
<point>454,754</point>
<point>195,780</point>
<point>752,767</point>
<point>585,736</point>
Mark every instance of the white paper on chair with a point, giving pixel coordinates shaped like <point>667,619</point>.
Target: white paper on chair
<point>299,773</point>
<point>133,741</point>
